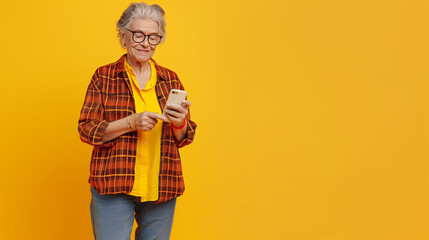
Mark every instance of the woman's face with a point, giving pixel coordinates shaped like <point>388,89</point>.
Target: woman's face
<point>140,52</point>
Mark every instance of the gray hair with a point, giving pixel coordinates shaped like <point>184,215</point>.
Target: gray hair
<point>143,11</point>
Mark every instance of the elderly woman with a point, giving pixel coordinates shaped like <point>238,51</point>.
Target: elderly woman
<point>135,167</point>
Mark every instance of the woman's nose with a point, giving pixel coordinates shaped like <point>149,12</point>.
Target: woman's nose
<point>145,42</point>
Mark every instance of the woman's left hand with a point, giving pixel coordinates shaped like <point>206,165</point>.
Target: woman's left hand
<point>176,114</point>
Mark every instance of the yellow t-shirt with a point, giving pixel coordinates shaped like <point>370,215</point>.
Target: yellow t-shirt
<point>148,143</point>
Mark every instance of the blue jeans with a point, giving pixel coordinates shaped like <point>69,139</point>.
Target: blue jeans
<point>113,215</point>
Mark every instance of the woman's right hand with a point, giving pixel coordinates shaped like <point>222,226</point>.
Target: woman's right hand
<point>145,121</point>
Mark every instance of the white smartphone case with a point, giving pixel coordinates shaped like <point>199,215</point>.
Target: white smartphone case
<point>176,96</point>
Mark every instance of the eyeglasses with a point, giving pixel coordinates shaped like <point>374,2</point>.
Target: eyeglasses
<point>139,37</point>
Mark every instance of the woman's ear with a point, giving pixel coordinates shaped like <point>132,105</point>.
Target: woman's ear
<point>123,39</point>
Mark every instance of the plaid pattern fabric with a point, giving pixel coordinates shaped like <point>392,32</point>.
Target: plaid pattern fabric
<point>109,98</point>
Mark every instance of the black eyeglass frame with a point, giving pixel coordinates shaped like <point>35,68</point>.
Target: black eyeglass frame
<point>144,38</point>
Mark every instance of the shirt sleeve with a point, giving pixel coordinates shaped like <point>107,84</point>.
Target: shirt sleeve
<point>91,121</point>
<point>191,126</point>
<point>190,133</point>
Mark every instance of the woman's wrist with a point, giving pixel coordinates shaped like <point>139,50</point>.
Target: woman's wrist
<point>179,126</point>
<point>132,122</point>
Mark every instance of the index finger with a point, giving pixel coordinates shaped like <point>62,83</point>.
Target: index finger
<point>155,116</point>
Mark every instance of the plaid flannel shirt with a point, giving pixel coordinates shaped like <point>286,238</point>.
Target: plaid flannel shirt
<point>110,97</point>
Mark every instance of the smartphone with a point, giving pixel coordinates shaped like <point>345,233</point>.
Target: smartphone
<point>176,96</point>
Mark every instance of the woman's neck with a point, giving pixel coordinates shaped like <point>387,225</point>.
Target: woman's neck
<point>138,67</point>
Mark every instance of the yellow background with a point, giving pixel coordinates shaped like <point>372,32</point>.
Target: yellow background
<point>313,116</point>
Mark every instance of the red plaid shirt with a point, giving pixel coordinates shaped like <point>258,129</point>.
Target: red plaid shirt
<point>110,97</point>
